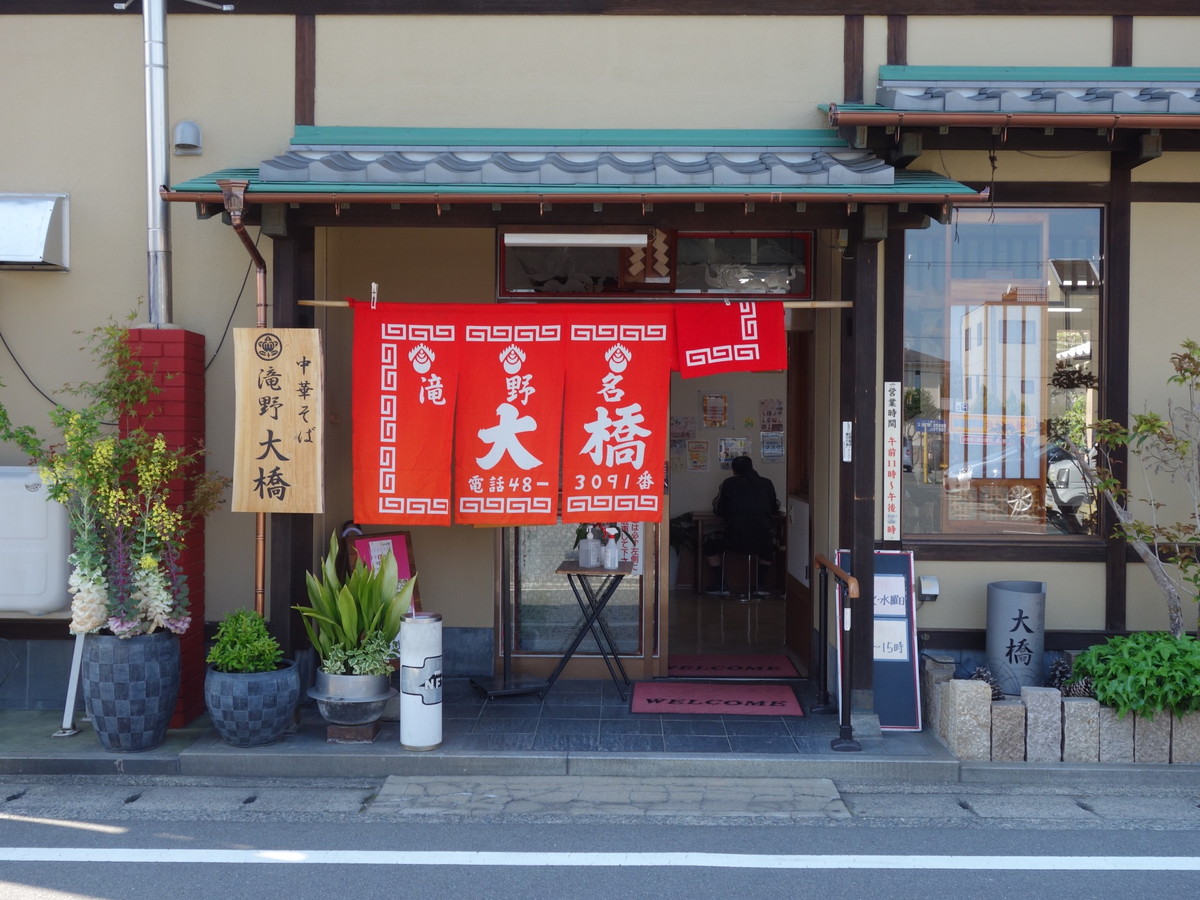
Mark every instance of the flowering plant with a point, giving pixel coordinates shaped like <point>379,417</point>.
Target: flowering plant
<point>122,490</point>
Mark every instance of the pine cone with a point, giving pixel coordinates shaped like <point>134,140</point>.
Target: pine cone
<point>1081,688</point>
<point>1059,675</point>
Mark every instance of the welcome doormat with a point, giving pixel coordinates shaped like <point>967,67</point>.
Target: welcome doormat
<point>696,698</point>
<point>757,665</point>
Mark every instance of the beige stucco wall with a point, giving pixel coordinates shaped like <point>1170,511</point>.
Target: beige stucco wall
<point>1164,235</point>
<point>86,136</point>
<point>1169,167</point>
<point>578,71</point>
<point>1074,593</point>
<point>974,166</point>
<point>1010,41</point>
<point>1165,40</point>
<point>409,265</point>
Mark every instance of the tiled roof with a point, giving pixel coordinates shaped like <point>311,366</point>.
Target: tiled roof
<point>585,158</point>
<point>1054,90</point>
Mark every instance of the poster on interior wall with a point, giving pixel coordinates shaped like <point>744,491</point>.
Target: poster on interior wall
<point>616,402</point>
<point>730,447</point>
<point>509,416</point>
<point>633,546</point>
<point>404,384</point>
<point>714,409</point>
<point>697,456</point>
<point>770,446</point>
<point>770,415</point>
<point>279,419</point>
<point>726,336</point>
<point>683,429</point>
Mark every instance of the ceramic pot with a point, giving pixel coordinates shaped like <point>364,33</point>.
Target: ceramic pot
<point>129,688</point>
<point>249,709</point>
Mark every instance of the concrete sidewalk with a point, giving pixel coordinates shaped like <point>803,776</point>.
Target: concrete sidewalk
<point>564,735</point>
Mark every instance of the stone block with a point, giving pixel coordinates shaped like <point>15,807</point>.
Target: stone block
<point>1081,729</point>
<point>968,713</point>
<point>1152,738</point>
<point>1185,738</point>
<point>935,670</point>
<point>1116,736</point>
<point>1043,723</point>
<point>941,694</point>
<point>1008,731</point>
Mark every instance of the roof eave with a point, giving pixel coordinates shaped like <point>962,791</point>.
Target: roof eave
<point>840,118</point>
<point>842,195</point>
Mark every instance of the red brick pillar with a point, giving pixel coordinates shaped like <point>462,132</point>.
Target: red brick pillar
<point>176,358</point>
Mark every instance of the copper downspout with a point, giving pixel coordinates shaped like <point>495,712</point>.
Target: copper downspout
<point>1111,121</point>
<point>233,194</point>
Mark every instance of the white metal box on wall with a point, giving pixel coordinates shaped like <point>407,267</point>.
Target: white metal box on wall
<point>35,540</point>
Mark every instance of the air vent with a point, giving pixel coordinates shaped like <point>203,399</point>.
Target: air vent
<point>34,231</point>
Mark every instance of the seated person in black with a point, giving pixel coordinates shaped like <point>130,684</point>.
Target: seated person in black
<point>746,502</point>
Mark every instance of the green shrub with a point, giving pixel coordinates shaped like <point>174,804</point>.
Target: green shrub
<point>243,644</point>
<point>1145,672</point>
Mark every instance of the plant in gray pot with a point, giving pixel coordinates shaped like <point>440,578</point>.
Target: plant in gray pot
<point>250,690</point>
<point>353,625</point>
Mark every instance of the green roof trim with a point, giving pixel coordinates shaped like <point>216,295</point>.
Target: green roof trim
<point>906,183</point>
<point>348,137</point>
<point>1055,74</point>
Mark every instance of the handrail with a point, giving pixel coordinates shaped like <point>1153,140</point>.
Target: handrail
<point>845,739</point>
<point>846,578</point>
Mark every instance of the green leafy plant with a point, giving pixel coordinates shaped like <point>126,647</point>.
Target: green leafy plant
<point>353,623</point>
<point>682,534</point>
<point>130,498</point>
<point>1144,673</point>
<point>243,644</point>
<point>1166,448</point>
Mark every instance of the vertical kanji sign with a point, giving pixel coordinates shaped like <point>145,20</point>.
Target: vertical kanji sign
<point>406,364</point>
<point>506,443</point>
<point>892,460</point>
<point>280,420</point>
<point>615,413</point>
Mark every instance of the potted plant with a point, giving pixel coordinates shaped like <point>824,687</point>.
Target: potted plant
<point>131,501</point>
<point>249,689</point>
<point>681,538</point>
<point>353,624</point>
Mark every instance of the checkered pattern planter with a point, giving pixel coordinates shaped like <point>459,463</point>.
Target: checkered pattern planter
<point>252,708</point>
<point>129,688</point>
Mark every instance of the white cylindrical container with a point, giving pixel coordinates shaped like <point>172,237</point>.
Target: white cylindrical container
<point>611,553</point>
<point>421,681</point>
<point>589,552</point>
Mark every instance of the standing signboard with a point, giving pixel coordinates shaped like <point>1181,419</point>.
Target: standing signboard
<point>896,681</point>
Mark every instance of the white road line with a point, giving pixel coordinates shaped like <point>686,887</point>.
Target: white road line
<point>503,859</point>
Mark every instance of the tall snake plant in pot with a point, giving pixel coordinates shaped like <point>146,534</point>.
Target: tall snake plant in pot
<point>353,624</point>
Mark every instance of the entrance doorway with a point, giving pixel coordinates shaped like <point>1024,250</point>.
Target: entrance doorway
<point>715,419</point>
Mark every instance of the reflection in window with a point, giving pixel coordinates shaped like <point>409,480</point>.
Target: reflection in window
<point>1001,326</point>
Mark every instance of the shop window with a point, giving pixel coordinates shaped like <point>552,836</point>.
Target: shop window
<point>987,419</point>
<point>637,262</point>
<point>721,263</point>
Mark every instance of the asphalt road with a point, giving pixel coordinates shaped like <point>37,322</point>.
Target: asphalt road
<point>129,839</point>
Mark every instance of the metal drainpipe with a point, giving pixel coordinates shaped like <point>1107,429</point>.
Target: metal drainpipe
<point>233,194</point>
<point>158,216</point>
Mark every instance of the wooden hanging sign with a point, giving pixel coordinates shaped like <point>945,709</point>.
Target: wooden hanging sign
<point>280,421</point>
